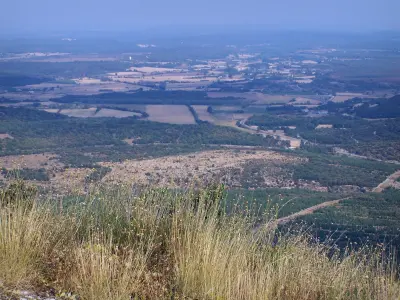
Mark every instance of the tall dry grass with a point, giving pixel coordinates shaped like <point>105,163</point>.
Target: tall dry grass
<point>115,243</point>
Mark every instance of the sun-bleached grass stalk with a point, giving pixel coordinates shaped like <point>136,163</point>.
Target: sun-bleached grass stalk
<point>22,241</point>
<point>101,271</point>
<point>28,235</point>
<point>217,258</point>
<point>115,243</point>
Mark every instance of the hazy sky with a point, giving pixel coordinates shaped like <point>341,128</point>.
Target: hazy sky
<point>49,15</point>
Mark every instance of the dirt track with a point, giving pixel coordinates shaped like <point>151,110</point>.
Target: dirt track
<point>390,181</point>
<point>294,142</point>
<point>308,211</point>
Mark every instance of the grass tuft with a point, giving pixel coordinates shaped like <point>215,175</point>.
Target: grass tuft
<point>119,243</point>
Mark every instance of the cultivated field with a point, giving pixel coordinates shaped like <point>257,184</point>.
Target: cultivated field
<point>139,107</point>
<point>174,114</point>
<point>304,100</point>
<point>341,97</point>
<point>91,112</point>
<point>203,114</point>
<point>105,112</point>
<point>46,85</point>
<point>79,113</point>
<point>309,62</point>
<point>229,119</point>
<point>87,80</point>
<point>320,126</point>
<point>151,70</point>
<point>268,99</point>
<point>222,119</point>
<point>304,79</point>
<point>226,108</point>
<point>93,89</point>
<point>165,77</point>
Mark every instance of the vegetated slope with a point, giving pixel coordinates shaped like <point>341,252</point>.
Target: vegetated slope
<point>37,132</point>
<point>227,166</point>
<point>362,219</point>
<point>368,108</point>
<point>378,138</point>
<point>332,171</point>
<point>160,244</point>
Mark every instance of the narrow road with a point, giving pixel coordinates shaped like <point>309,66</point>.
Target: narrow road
<point>383,185</point>
<point>308,211</point>
<point>390,181</point>
<point>349,154</point>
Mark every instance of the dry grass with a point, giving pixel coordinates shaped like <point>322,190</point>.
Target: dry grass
<point>31,161</point>
<point>71,180</point>
<point>174,171</point>
<point>101,274</point>
<point>173,114</point>
<point>160,244</point>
